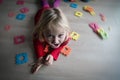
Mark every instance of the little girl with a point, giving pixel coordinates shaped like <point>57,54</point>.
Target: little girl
<point>50,35</point>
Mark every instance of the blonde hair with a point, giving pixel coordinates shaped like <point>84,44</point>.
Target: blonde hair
<point>51,19</point>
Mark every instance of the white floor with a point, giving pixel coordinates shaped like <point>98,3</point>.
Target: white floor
<point>91,58</point>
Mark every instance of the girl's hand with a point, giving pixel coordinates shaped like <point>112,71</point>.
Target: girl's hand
<point>49,60</point>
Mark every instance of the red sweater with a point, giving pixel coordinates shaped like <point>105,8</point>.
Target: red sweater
<point>40,46</point>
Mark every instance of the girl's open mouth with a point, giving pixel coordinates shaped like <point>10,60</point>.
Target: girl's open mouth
<point>55,45</point>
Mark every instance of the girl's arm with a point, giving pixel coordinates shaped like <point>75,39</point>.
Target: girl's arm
<point>39,49</point>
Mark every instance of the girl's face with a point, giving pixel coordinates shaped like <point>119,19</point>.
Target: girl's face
<point>55,37</point>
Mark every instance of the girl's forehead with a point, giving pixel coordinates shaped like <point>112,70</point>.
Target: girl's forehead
<point>56,30</point>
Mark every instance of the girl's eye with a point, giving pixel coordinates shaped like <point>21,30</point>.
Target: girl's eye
<point>60,35</point>
<point>49,35</point>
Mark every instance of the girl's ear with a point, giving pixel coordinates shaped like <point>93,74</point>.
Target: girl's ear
<point>67,36</point>
<point>41,37</point>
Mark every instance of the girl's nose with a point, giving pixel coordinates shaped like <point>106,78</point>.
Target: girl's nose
<point>55,40</point>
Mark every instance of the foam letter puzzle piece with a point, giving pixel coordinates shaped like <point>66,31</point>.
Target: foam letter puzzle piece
<point>19,39</point>
<point>11,14</point>
<point>20,2</point>
<point>78,14</point>
<point>73,5</point>
<point>103,18</point>
<point>21,58</point>
<point>94,26</point>
<point>72,0</point>
<point>7,27</point>
<point>46,49</point>
<point>100,31</point>
<point>66,0</point>
<point>20,16</point>
<point>24,10</point>
<point>66,50</point>
<point>90,10</point>
<point>74,35</point>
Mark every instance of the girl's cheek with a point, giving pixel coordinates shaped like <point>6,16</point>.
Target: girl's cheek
<point>49,39</point>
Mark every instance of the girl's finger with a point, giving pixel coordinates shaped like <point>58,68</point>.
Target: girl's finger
<point>47,58</point>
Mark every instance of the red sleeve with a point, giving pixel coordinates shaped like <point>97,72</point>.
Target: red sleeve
<point>39,48</point>
<point>55,53</point>
<point>38,14</point>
